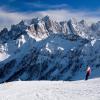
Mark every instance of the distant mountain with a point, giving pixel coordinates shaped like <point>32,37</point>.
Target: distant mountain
<point>43,49</point>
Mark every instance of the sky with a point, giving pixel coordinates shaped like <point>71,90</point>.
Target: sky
<point>13,11</point>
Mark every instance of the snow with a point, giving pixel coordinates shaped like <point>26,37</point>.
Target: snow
<point>51,90</point>
<point>3,56</point>
<point>58,43</point>
<point>47,48</point>
<point>21,41</point>
<point>60,48</point>
<point>93,42</point>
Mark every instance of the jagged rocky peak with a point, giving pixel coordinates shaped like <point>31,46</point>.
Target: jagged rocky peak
<point>52,26</point>
<point>35,20</point>
<point>72,24</point>
<point>48,22</point>
<point>5,30</point>
<point>20,26</point>
<point>45,25</point>
<point>4,35</point>
<point>95,26</point>
<point>83,22</point>
<point>73,21</point>
<point>64,27</point>
<point>46,19</point>
<point>22,23</point>
<point>37,28</point>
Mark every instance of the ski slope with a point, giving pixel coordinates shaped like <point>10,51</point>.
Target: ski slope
<point>51,90</point>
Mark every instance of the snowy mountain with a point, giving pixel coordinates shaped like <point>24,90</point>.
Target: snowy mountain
<point>43,49</point>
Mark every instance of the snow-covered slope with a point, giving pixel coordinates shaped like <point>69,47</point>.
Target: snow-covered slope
<point>51,90</point>
<point>43,49</point>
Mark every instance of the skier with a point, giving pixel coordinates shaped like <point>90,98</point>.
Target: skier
<point>88,72</point>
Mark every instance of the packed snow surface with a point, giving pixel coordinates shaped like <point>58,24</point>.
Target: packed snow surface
<point>51,90</point>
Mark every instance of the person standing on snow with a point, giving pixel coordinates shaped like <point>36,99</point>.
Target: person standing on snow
<point>88,72</point>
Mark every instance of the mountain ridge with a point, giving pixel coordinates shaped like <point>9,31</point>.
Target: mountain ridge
<point>43,49</point>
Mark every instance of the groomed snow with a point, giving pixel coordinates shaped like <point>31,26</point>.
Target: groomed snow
<point>51,90</point>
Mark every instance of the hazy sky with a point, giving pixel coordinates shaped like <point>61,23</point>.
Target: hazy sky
<point>12,11</point>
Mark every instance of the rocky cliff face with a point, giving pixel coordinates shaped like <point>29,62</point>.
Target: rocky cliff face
<point>43,49</point>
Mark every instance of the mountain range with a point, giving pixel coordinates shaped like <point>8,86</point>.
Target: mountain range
<point>44,49</point>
